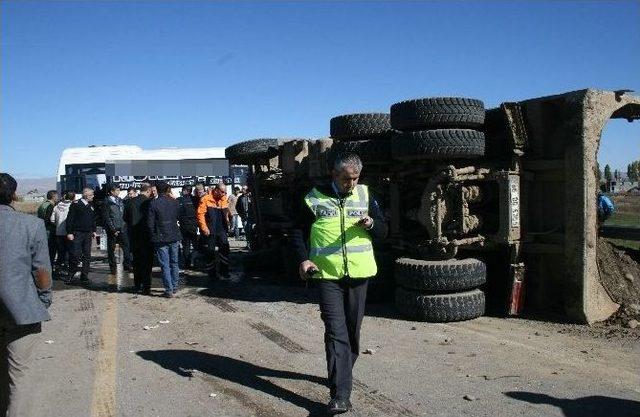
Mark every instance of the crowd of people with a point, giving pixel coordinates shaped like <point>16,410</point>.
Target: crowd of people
<point>148,224</point>
<point>332,242</point>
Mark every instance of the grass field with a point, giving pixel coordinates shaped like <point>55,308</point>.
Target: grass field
<point>630,244</point>
<point>624,219</point>
<point>627,214</point>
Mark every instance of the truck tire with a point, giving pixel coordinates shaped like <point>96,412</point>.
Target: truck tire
<point>251,149</point>
<point>438,144</point>
<point>372,150</point>
<point>437,113</point>
<point>440,308</point>
<point>271,208</point>
<point>360,126</point>
<point>451,275</point>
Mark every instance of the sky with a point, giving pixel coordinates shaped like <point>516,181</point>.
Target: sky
<point>206,74</point>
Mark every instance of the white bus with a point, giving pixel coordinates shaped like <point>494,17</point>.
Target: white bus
<point>130,165</point>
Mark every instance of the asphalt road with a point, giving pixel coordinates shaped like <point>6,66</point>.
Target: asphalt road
<point>246,347</point>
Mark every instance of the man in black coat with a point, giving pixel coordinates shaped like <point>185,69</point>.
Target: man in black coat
<point>81,229</point>
<point>165,235</point>
<point>188,224</point>
<point>113,219</point>
<point>342,295</point>
<point>132,193</point>
<point>245,211</point>
<point>136,213</point>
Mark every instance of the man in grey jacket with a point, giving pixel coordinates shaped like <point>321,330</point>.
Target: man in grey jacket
<point>25,295</point>
<point>113,216</point>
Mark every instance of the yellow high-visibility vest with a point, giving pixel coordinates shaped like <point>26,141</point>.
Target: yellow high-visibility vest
<point>337,245</point>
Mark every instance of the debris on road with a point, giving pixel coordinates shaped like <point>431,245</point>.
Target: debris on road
<point>191,343</point>
<point>213,395</point>
<point>632,324</point>
<point>369,351</point>
<point>164,322</point>
<point>150,327</point>
<point>49,342</point>
<point>488,378</point>
<point>470,397</point>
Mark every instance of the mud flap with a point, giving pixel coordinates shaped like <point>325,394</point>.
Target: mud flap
<point>516,298</point>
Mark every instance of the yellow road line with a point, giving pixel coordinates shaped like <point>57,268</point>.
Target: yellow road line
<point>104,388</point>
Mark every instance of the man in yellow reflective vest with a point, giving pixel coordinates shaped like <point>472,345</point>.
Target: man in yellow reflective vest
<point>341,219</point>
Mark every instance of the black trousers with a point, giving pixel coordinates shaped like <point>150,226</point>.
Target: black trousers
<point>129,230</point>
<point>342,309</point>
<point>81,252</point>
<point>65,246</point>
<point>52,242</point>
<point>221,241</point>
<point>142,264</point>
<point>189,242</point>
<point>123,239</point>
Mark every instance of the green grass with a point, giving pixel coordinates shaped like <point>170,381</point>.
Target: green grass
<point>624,219</point>
<point>629,215</point>
<point>630,244</point>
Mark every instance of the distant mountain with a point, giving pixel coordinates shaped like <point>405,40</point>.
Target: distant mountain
<point>41,184</point>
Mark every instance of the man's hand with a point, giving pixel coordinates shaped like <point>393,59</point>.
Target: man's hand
<point>365,222</point>
<point>306,268</point>
<point>70,237</point>
<point>206,232</point>
<point>116,233</point>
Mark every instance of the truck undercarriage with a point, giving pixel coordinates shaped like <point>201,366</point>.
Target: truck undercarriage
<point>504,198</point>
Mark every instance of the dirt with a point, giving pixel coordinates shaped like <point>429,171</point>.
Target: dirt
<point>620,275</point>
<point>254,347</point>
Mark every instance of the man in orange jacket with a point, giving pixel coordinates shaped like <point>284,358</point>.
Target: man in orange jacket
<point>214,218</point>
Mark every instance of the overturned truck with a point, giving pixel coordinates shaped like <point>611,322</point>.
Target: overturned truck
<point>489,210</point>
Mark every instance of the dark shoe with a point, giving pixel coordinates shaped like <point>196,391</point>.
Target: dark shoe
<point>337,406</point>
<point>167,295</point>
<point>146,291</point>
<point>84,279</point>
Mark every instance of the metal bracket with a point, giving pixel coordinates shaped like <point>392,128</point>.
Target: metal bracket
<point>516,124</point>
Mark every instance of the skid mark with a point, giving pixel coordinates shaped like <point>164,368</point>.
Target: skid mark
<point>278,338</point>
<point>104,388</point>
<point>379,401</point>
<point>222,304</point>
<point>88,330</point>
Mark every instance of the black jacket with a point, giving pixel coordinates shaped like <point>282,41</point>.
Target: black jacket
<point>187,214</point>
<point>112,214</point>
<point>127,207</point>
<point>81,218</point>
<point>136,213</point>
<point>304,218</point>
<point>243,206</point>
<point>163,220</point>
